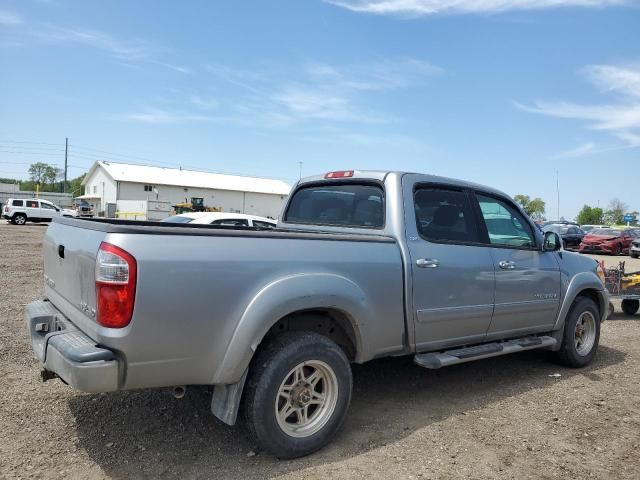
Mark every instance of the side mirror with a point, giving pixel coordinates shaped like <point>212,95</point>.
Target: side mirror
<point>552,242</point>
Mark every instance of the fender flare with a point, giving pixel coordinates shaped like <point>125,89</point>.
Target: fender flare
<point>283,297</point>
<point>580,282</point>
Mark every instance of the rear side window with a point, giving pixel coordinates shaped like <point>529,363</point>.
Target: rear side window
<point>445,216</point>
<point>346,205</point>
<point>17,203</point>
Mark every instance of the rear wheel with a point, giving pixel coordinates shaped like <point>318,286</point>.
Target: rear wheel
<point>630,307</point>
<point>19,219</point>
<point>581,334</point>
<point>616,249</point>
<point>297,395</point>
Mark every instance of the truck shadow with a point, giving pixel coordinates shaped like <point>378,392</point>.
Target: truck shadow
<point>149,434</point>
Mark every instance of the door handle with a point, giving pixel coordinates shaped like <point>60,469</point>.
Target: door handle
<point>507,264</point>
<point>427,263</point>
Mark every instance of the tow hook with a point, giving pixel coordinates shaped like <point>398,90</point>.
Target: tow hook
<point>47,375</point>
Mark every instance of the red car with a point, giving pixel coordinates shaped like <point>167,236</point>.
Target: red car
<point>608,240</point>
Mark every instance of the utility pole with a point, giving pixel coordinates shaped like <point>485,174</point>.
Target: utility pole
<point>66,156</point>
<point>558,191</point>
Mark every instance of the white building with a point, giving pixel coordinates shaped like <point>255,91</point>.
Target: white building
<point>108,184</point>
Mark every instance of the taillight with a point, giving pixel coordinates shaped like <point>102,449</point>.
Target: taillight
<point>116,272</point>
<point>341,174</point>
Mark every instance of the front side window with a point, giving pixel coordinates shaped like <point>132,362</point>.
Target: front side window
<point>346,205</point>
<point>445,216</point>
<point>47,206</point>
<point>505,224</point>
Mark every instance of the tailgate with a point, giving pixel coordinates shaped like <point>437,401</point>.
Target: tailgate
<point>69,266</point>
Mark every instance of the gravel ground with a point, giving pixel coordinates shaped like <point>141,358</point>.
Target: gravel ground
<point>512,417</point>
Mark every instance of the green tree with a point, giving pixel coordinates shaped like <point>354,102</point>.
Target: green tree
<point>534,208</point>
<point>42,173</point>
<point>590,216</point>
<point>615,214</point>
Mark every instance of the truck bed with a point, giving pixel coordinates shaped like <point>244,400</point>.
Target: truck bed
<point>200,287</point>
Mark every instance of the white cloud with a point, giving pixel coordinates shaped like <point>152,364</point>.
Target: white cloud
<point>96,39</point>
<point>621,117</point>
<point>380,75</point>
<point>9,18</point>
<point>581,151</point>
<point>417,8</point>
<point>204,103</point>
<point>616,79</point>
<point>158,117</point>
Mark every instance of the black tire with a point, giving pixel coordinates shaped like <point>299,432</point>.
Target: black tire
<point>568,354</point>
<point>617,251</point>
<point>270,368</point>
<point>630,307</point>
<point>633,255</point>
<point>19,219</point>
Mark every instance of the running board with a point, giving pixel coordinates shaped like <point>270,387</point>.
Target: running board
<point>486,350</point>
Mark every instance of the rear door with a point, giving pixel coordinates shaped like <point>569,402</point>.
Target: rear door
<point>527,279</point>
<point>452,271</point>
<point>32,209</point>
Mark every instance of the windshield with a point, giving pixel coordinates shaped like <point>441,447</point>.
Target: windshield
<point>612,232</point>
<point>346,205</point>
<point>177,219</point>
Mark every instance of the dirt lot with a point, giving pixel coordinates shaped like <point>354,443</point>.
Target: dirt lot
<point>509,417</point>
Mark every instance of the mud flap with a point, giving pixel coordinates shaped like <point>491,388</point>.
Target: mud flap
<point>225,401</point>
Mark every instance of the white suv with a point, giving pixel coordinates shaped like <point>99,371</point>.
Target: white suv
<point>21,210</point>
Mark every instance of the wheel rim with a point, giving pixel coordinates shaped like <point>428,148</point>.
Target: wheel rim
<point>20,220</point>
<point>306,399</point>
<point>585,333</point>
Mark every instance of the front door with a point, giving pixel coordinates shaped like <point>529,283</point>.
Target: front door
<point>527,294</point>
<point>452,272</point>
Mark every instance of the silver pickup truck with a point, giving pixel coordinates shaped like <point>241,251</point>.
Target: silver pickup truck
<point>362,265</point>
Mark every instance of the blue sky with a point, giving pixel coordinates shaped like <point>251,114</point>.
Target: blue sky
<point>501,92</point>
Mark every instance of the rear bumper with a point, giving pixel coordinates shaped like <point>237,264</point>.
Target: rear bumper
<point>66,351</point>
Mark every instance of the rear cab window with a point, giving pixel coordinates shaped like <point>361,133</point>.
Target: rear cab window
<point>356,205</point>
<point>445,216</point>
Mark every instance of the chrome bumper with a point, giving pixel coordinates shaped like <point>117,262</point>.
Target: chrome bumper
<point>66,351</point>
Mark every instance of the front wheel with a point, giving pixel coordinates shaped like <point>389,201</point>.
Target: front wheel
<point>297,394</point>
<point>630,307</point>
<point>581,334</point>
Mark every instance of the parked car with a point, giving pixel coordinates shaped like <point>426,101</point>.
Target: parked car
<point>84,208</point>
<point>20,210</point>
<point>634,250</point>
<point>571,235</point>
<point>222,218</point>
<point>363,265</point>
<point>588,228</point>
<point>559,222</point>
<point>613,241</point>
